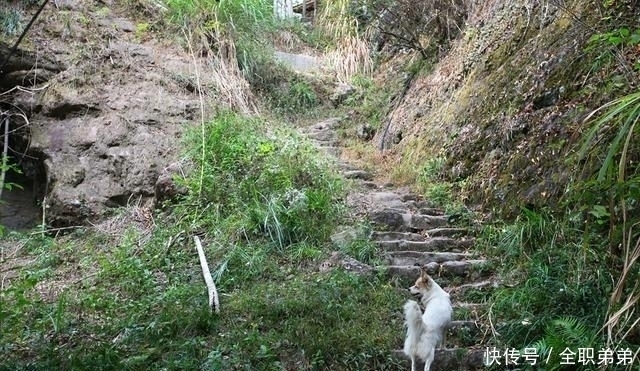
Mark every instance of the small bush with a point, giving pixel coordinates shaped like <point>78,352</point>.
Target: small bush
<point>369,100</point>
<point>296,97</point>
<point>263,182</point>
<point>426,26</point>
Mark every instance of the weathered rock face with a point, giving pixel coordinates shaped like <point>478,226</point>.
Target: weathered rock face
<point>504,103</point>
<point>107,121</point>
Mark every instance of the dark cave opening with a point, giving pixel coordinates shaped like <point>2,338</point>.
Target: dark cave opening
<point>25,182</point>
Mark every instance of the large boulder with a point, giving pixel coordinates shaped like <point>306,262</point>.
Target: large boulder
<point>107,113</point>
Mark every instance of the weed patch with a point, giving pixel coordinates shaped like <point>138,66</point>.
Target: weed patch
<point>316,321</point>
<point>554,274</point>
<point>261,182</point>
<point>369,100</point>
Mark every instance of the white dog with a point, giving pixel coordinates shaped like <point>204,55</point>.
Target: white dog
<point>426,330</point>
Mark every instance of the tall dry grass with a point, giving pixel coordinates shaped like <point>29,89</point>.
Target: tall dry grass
<point>350,57</point>
<point>335,21</point>
<point>232,88</point>
<point>350,54</point>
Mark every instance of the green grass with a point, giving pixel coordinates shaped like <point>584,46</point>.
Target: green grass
<point>370,100</point>
<point>143,306</point>
<point>571,271</point>
<point>432,185</point>
<point>311,319</point>
<point>10,21</point>
<point>553,273</point>
<point>260,180</point>
<point>239,16</point>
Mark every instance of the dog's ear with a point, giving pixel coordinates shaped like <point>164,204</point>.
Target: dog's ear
<point>423,272</point>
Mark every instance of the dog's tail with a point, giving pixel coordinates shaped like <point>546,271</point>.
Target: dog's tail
<point>413,315</point>
<point>413,321</point>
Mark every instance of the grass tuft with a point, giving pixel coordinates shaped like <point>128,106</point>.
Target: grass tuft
<point>551,273</point>
<point>351,57</point>
<point>262,182</point>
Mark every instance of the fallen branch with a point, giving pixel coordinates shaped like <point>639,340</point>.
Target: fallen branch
<point>211,286</point>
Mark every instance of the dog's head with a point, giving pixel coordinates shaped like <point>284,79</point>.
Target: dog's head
<point>423,284</point>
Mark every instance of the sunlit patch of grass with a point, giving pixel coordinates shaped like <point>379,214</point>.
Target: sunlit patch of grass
<point>322,318</point>
<point>262,181</point>
<point>144,306</point>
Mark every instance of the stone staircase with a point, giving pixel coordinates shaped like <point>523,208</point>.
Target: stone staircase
<point>411,232</point>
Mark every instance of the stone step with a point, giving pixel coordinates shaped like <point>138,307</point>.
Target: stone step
<point>459,359</point>
<point>430,210</point>
<point>332,151</point>
<point>345,166</point>
<point>369,184</point>
<point>422,258</point>
<point>476,291</point>
<point>325,135</point>
<point>357,174</point>
<point>426,221</point>
<point>393,236</point>
<point>397,219</point>
<point>428,245</point>
<point>477,285</point>
<point>389,201</point>
<point>407,274</point>
<point>325,143</point>
<point>447,232</point>
<point>392,219</point>
<point>410,197</point>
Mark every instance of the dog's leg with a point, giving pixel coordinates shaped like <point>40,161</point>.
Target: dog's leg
<point>427,364</point>
<point>429,360</point>
<point>443,343</point>
<point>413,363</point>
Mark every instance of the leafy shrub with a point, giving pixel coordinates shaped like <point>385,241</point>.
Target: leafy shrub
<point>606,44</point>
<point>423,26</point>
<point>263,182</point>
<point>369,100</point>
<point>296,97</point>
<point>566,333</point>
